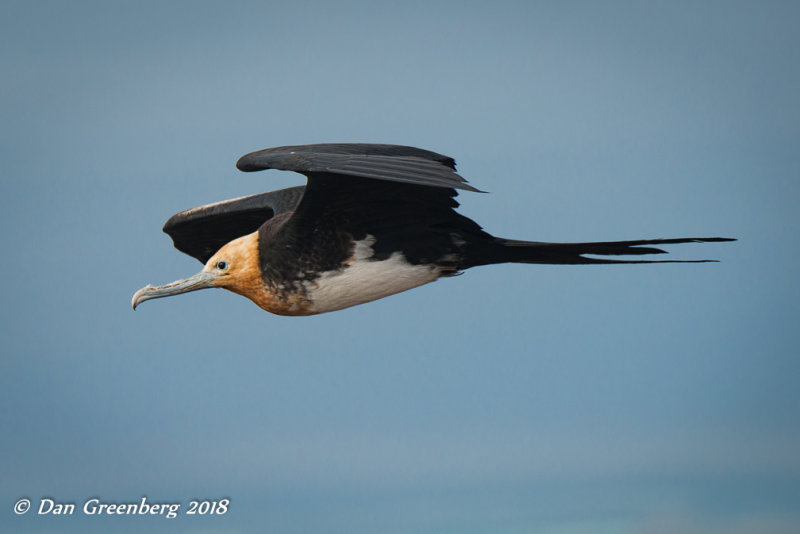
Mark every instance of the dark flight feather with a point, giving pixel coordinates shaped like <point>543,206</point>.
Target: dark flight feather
<point>392,163</point>
<point>200,232</point>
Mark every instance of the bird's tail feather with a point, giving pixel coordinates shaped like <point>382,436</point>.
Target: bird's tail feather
<point>510,250</point>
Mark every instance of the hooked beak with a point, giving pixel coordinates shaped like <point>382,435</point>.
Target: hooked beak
<point>202,280</point>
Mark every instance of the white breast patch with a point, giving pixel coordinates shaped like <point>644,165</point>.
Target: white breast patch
<point>364,280</point>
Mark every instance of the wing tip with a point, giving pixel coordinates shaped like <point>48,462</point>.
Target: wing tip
<point>247,163</point>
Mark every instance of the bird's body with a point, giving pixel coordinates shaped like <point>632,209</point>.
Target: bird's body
<point>373,220</point>
<point>354,282</point>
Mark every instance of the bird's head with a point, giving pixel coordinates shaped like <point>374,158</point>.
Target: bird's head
<point>234,267</point>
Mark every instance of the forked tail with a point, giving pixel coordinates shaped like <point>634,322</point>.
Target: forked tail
<point>510,250</point>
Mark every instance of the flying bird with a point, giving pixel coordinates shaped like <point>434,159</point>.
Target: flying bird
<point>372,220</point>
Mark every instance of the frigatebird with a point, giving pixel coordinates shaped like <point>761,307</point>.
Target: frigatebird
<point>372,220</point>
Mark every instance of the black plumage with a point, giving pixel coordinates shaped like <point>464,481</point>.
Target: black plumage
<point>396,202</point>
<point>200,232</point>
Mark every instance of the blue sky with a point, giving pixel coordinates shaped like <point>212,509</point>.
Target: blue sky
<point>515,398</point>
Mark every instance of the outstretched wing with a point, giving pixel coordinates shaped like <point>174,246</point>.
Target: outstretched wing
<point>393,163</point>
<point>200,232</point>
<point>399,198</point>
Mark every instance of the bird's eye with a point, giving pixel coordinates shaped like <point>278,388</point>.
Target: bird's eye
<point>222,265</point>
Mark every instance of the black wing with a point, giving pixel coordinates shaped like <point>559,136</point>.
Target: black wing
<point>392,163</point>
<point>399,197</point>
<point>200,232</point>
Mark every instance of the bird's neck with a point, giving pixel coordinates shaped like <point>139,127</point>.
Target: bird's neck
<point>249,282</point>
